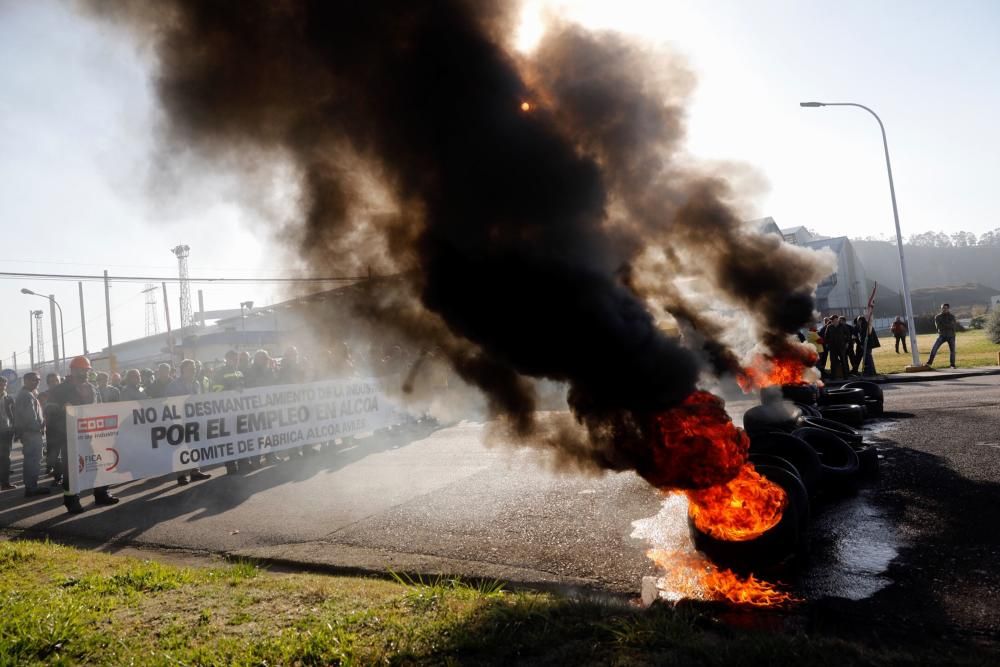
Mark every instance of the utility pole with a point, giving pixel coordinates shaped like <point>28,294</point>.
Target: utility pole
<point>107,307</point>
<point>31,338</point>
<point>182,252</point>
<point>83,319</point>
<point>39,336</point>
<point>55,334</point>
<point>166,309</point>
<point>201,306</point>
<point>152,315</point>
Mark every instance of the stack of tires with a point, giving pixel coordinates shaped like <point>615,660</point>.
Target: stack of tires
<point>827,420</point>
<point>816,443</point>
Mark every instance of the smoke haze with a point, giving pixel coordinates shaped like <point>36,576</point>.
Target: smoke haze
<point>534,203</point>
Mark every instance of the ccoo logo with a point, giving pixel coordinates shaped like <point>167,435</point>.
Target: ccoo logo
<point>92,424</point>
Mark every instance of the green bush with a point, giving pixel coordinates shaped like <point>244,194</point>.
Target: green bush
<point>978,322</point>
<point>993,325</point>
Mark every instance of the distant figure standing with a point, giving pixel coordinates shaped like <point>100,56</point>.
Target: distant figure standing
<point>837,338</point>
<point>899,330</point>
<point>30,423</point>
<point>945,324</point>
<point>6,435</point>
<point>109,393</point>
<point>868,341</point>
<point>186,385</point>
<point>825,351</point>
<point>132,389</point>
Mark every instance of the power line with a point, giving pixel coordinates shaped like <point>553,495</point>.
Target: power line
<point>148,279</point>
<point>105,265</point>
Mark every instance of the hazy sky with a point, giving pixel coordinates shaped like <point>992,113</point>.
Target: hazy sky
<point>78,119</point>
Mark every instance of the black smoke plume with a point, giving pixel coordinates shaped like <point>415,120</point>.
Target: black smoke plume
<point>528,195</point>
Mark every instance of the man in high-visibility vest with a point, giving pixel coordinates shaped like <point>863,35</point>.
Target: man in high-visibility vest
<point>228,378</point>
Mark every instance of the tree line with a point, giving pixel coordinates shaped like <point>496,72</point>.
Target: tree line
<point>943,240</point>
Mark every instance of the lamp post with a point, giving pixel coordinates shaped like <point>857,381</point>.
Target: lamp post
<point>245,307</point>
<point>899,237</point>
<point>53,305</point>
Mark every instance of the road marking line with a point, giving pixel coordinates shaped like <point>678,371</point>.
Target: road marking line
<point>995,445</point>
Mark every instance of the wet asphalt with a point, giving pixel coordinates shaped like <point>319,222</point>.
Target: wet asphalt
<point>911,555</point>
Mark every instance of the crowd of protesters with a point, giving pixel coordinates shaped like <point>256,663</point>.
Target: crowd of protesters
<point>37,417</point>
<point>846,346</point>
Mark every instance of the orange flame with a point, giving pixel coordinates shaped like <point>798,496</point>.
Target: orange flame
<point>727,585</point>
<point>700,450</point>
<point>742,509</point>
<point>693,576</point>
<point>765,371</point>
<point>698,445</point>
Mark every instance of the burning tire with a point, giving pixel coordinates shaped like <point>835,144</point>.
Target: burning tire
<point>766,418</point>
<point>838,460</point>
<point>843,431</point>
<point>794,450</point>
<point>779,543</point>
<point>851,415</point>
<point>773,460</point>
<point>848,396</point>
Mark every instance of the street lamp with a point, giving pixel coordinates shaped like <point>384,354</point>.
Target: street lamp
<point>899,237</point>
<point>53,304</point>
<point>245,307</point>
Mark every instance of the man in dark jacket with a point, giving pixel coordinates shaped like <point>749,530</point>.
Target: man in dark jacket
<point>945,323</point>
<point>825,349</point>
<point>109,392</point>
<point>76,390</point>
<point>867,341</point>
<point>30,424</point>
<point>158,389</point>
<point>52,463</point>
<point>229,377</point>
<point>186,385</point>
<point>6,435</point>
<point>132,389</point>
<point>899,330</point>
<point>837,337</point>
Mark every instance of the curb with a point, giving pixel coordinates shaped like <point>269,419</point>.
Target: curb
<point>381,564</point>
<point>923,376</point>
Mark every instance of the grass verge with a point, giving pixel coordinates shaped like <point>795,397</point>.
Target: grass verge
<point>66,606</point>
<point>972,349</point>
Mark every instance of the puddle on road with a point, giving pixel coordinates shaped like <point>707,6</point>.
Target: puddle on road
<point>852,543</point>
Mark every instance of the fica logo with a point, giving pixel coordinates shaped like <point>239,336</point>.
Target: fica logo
<point>97,461</point>
<point>94,424</point>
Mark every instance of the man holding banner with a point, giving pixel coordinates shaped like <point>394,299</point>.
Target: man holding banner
<point>76,390</point>
<point>187,385</point>
<point>867,337</point>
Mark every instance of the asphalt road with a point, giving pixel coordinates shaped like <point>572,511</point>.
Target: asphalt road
<point>914,552</point>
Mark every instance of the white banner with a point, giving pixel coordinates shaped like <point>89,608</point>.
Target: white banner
<point>119,442</point>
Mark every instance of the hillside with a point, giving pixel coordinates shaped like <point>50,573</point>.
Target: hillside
<point>961,297</point>
<point>930,267</point>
